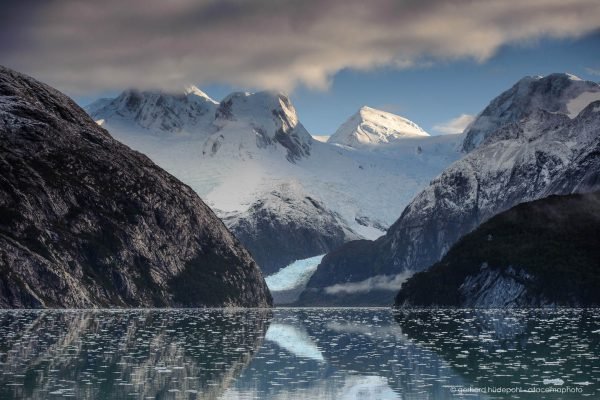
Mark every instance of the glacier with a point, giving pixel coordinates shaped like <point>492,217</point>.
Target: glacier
<point>294,275</point>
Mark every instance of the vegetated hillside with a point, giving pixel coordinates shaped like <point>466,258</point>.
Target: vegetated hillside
<point>541,253</point>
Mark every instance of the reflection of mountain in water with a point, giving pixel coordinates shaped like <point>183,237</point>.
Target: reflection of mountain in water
<point>294,353</point>
<point>342,354</point>
<point>126,354</point>
<point>519,348</point>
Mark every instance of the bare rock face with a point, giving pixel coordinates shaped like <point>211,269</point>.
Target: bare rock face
<point>87,222</point>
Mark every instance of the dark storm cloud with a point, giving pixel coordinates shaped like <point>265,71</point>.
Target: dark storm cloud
<point>109,44</point>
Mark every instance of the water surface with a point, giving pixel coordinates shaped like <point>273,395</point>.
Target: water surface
<point>299,354</point>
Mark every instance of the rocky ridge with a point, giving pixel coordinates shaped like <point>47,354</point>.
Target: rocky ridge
<point>88,222</point>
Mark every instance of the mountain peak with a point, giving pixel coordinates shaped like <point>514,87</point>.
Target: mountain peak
<point>194,90</point>
<point>157,111</point>
<point>267,110</point>
<point>270,116</point>
<point>370,126</point>
<point>558,93</point>
<point>102,216</point>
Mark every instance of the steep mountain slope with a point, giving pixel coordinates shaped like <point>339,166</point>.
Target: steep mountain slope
<point>540,253</point>
<point>371,127</point>
<point>555,93</point>
<point>270,116</point>
<point>285,225</point>
<point>87,222</point>
<point>543,153</point>
<point>255,146</point>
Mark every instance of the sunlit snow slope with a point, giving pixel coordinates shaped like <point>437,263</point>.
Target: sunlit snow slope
<point>250,158</point>
<point>371,127</point>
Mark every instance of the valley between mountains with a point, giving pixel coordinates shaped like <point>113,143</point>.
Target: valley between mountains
<point>106,206</point>
<point>381,199</point>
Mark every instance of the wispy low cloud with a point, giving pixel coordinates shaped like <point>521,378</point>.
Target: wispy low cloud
<point>455,125</point>
<point>378,282</point>
<point>101,45</point>
<point>593,71</point>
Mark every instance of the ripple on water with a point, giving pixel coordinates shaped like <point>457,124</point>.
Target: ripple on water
<point>296,353</point>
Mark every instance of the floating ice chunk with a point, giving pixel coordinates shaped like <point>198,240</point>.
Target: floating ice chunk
<point>555,381</point>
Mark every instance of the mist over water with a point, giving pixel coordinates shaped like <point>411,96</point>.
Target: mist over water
<point>299,354</point>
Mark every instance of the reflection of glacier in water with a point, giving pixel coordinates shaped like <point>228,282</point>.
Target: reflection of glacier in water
<point>341,354</point>
<point>367,387</point>
<point>295,340</point>
<point>294,353</point>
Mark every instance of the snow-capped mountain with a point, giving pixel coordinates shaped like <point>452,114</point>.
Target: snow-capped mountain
<point>254,163</point>
<point>556,93</point>
<point>270,117</point>
<point>547,151</point>
<point>155,111</point>
<point>371,127</point>
<point>306,223</point>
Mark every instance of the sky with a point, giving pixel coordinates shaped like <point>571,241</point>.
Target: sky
<point>435,62</point>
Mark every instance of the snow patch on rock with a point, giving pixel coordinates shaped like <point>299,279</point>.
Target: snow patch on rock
<point>576,105</point>
<point>555,93</point>
<point>494,288</point>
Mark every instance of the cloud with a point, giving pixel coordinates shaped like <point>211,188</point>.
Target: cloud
<point>105,45</point>
<point>593,71</point>
<point>378,282</point>
<point>455,125</point>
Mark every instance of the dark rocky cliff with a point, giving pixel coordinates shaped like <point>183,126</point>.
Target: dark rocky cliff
<point>87,222</point>
<point>542,253</point>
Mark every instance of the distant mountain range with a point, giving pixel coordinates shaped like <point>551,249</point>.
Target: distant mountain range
<point>284,195</point>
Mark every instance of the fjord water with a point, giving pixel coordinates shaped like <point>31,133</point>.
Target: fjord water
<point>299,354</point>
